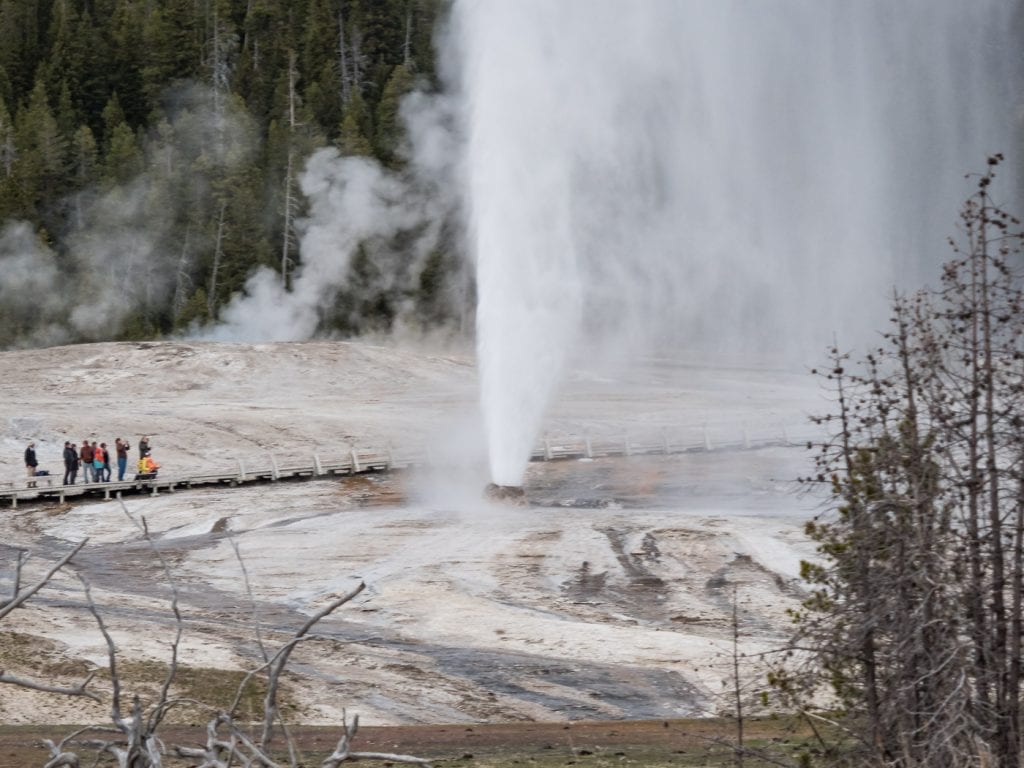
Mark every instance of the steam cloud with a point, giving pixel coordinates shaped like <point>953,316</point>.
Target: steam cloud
<point>119,256</point>
<point>28,288</point>
<point>354,202</point>
<point>726,179</point>
<point>723,178</point>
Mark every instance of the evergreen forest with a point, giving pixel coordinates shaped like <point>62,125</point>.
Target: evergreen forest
<point>151,154</point>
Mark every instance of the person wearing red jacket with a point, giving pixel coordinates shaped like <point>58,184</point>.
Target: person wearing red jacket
<point>106,462</point>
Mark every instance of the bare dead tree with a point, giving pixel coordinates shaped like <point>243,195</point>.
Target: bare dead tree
<point>19,595</point>
<point>183,277</point>
<point>218,255</point>
<point>133,738</point>
<point>342,752</point>
<point>914,618</point>
<point>291,202</point>
<point>407,42</point>
<point>344,68</point>
<point>737,686</point>
<point>17,599</point>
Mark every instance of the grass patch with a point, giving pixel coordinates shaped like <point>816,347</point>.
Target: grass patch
<point>652,744</point>
<point>213,687</point>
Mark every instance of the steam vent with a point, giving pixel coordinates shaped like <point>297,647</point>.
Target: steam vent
<point>507,494</point>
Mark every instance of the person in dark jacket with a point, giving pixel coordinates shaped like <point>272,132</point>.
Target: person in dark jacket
<point>31,464</point>
<point>70,463</point>
<point>85,454</point>
<point>144,447</point>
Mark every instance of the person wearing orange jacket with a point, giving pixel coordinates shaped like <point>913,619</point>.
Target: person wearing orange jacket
<point>97,462</point>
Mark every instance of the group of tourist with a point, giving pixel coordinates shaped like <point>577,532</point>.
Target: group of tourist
<point>95,461</point>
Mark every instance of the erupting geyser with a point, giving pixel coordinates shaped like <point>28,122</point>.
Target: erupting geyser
<point>728,178</point>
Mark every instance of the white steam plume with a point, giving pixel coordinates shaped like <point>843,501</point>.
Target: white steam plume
<point>353,201</point>
<point>731,178</point>
<point>30,289</point>
<point>119,255</point>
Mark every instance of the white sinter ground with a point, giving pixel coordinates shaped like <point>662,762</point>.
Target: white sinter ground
<point>608,597</point>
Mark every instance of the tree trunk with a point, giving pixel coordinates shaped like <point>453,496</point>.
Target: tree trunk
<point>211,300</point>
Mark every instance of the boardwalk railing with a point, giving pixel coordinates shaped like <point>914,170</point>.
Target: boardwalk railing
<point>268,467</point>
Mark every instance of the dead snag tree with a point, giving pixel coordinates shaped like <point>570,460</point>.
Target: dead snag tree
<point>914,618</point>
<point>134,736</point>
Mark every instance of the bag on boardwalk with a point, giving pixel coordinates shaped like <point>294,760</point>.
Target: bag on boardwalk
<point>42,472</point>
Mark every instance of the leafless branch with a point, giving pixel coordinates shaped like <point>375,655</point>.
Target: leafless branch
<point>277,666</point>
<point>342,751</point>
<point>160,709</point>
<point>19,597</point>
<point>252,600</point>
<point>78,690</point>
<point>115,679</point>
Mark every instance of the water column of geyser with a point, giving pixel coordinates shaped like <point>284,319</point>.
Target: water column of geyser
<point>714,178</point>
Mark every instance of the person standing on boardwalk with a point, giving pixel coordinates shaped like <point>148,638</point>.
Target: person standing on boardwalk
<point>106,462</point>
<point>121,448</point>
<point>97,463</point>
<point>144,447</point>
<point>31,464</point>
<point>70,463</point>
<point>85,454</point>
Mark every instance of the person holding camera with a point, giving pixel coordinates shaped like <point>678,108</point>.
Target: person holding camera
<point>121,447</point>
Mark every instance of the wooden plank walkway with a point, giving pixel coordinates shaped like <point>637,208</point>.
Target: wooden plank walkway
<point>355,462</point>
<point>50,487</point>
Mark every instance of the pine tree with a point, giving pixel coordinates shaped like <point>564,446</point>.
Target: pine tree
<point>172,46</point>
<point>352,138</point>
<point>123,159</point>
<point>40,161</point>
<point>125,64</point>
<point>916,618</point>
<point>390,132</point>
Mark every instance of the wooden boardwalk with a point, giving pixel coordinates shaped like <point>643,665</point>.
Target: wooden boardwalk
<point>354,462</point>
<point>50,487</point>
